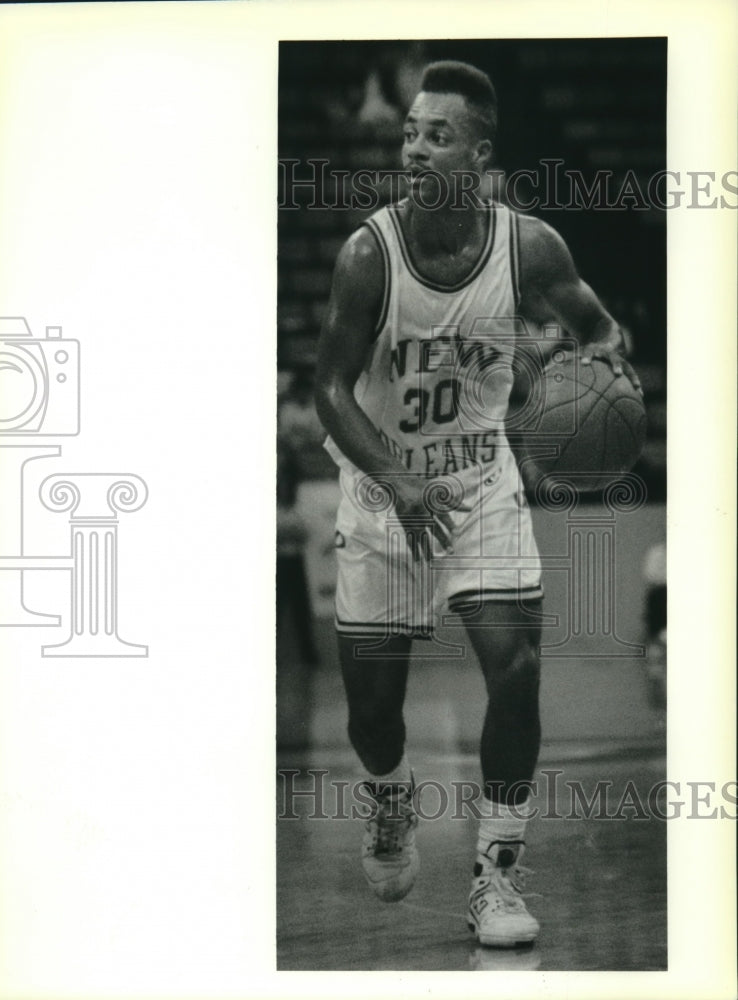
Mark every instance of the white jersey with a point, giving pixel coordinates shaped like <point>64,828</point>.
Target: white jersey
<point>436,386</point>
<point>437,382</point>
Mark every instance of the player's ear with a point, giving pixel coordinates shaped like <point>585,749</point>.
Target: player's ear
<point>483,153</point>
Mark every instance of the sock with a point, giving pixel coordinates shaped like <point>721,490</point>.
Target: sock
<point>498,825</point>
<point>400,775</point>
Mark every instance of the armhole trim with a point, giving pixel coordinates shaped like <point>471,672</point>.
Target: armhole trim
<point>515,256</point>
<point>377,234</point>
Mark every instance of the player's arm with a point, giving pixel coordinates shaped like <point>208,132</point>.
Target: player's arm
<point>551,289</point>
<point>346,338</point>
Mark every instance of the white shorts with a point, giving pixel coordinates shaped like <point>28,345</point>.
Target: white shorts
<point>382,590</point>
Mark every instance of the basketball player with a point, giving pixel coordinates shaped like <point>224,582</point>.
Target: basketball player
<point>419,317</point>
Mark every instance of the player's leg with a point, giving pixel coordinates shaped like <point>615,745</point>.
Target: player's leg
<point>505,638</point>
<point>372,612</point>
<point>375,691</point>
<point>497,591</point>
<point>372,596</point>
<point>375,688</point>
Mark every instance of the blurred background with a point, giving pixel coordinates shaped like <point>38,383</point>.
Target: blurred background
<point>595,104</point>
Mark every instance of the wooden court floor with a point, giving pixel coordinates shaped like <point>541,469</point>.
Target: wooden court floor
<point>602,881</point>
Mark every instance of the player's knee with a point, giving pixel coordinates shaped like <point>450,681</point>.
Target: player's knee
<point>515,658</point>
<point>526,662</point>
<point>518,674</point>
<point>525,670</point>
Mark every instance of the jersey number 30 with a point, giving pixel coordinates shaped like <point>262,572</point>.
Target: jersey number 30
<point>442,408</point>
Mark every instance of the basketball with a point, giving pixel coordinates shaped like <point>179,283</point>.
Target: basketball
<point>595,419</point>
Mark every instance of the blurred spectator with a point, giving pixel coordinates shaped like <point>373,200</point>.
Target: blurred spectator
<point>654,572</point>
<point>292,589</point>
<point>299,427</point>
<point>391,84</point>
<point>296,652</point>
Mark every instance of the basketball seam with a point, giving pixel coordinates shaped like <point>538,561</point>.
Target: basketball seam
<point>593,406</point>
<point>604,446</point>
<point>590,388</point>
<point>573,437</point>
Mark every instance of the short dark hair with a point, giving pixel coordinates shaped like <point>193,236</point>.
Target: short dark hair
<point>451,77</point>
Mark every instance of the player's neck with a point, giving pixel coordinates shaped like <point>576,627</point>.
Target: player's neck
<point>444,230</point>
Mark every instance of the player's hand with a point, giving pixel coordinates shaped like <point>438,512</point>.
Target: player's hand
<point>606,352</point>
<point>421,518</point>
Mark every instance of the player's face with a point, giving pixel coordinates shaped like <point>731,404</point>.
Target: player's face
<point>440,135</point>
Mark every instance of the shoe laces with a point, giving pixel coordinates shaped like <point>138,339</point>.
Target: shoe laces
<point>394,817</point>
<point>510,883</point>
<point>516,877</point>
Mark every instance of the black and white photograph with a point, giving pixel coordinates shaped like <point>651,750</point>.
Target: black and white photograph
<point>472,496</point>
<point>367,499</point>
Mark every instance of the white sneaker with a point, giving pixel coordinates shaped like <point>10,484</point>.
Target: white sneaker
<point>497,914</point>
<point>389,856</point>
